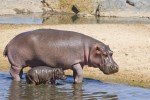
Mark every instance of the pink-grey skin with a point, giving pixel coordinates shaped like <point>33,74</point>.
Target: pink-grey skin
<point>44,75</point>
<point>58,48</point>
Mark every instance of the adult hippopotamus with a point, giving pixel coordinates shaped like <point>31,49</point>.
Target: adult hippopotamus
<point>44,75</point>
<point>58,48</point>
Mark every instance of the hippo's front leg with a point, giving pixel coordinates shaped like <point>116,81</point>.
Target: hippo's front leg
<point>77,73</point>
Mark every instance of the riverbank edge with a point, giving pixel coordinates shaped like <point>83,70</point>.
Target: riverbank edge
<point>120,77</point>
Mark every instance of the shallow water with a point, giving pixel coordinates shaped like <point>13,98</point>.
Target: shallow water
<point>37,18</point>
<point>65,90</point>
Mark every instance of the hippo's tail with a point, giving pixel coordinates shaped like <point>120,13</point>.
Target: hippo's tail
<point>5,51</point>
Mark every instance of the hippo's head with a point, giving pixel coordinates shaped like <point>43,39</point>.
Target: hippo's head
<point>101,57</point>
<point>59,74</point>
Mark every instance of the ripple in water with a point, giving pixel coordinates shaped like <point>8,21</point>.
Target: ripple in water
<point>65,90</point>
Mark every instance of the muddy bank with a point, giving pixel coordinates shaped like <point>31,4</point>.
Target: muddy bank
<point>130,43</point>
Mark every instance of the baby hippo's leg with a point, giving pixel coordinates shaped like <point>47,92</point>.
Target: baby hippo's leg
<point>30,80</point>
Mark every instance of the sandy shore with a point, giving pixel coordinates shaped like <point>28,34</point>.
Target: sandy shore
<point>130,43</point>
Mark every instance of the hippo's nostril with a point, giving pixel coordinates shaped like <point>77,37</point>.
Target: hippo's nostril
<point>113,69</point>
<point>117,68</point>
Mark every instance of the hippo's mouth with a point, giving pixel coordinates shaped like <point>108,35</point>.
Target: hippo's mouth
<point>94,65</point>
<point>109,70</point>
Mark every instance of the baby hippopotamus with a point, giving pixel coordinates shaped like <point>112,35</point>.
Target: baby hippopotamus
<point>44,75</point>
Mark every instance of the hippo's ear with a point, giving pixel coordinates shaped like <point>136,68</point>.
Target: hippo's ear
<point>97,49</point>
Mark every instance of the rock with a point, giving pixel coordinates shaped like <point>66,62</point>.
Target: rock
<point>75,9</point>
<point>85,8</point>
<point>20,6</point>
<point>7,11</point>
<point>46,6</point>
<point>21,11</point>
<point>85,14</point>
<point>130,2</point>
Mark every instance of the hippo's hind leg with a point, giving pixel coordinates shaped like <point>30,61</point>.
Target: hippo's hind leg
<point>17,65</point>
<point>77,73</point>
<point>15,72</point>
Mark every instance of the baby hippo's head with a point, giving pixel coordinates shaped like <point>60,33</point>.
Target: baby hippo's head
<point>59,74</point>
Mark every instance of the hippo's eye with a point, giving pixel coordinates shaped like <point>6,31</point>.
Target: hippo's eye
<point>105,54</point>
<point>111,53</point>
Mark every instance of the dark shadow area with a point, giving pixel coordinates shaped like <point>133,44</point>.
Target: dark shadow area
<point>75,9</point>
<point>74,18</point>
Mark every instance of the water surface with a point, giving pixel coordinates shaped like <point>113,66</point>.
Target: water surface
<point>65,90</point>
<point>37,18</point>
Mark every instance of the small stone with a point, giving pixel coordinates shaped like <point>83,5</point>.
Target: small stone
<point>75,9</point>
<point>126,54</point>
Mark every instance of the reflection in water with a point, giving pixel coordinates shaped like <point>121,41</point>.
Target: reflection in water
<point>14,91</point>
<point>74,18</point>
<point>97,19</point>
<point>22,91</point>
<point>65,90</point>
<point>38,18</point>
<point>77,91</point>
<point>77,19</point>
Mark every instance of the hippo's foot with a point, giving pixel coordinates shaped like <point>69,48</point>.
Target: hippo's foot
<point>15,74</point>
<point>77,73</point>
<point>78,79</point>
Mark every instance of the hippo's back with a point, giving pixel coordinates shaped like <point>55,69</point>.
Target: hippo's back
<point>48,47</point>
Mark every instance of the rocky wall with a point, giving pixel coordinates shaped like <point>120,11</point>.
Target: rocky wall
<point>123,8</point>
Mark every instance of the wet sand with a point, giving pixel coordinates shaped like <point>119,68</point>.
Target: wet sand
<point>130,43</point>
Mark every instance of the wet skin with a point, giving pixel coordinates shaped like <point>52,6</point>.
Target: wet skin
<point>58,49</point>
<point>44,75</point>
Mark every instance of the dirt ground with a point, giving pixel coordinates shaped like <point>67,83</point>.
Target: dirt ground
<point>130,43</point>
